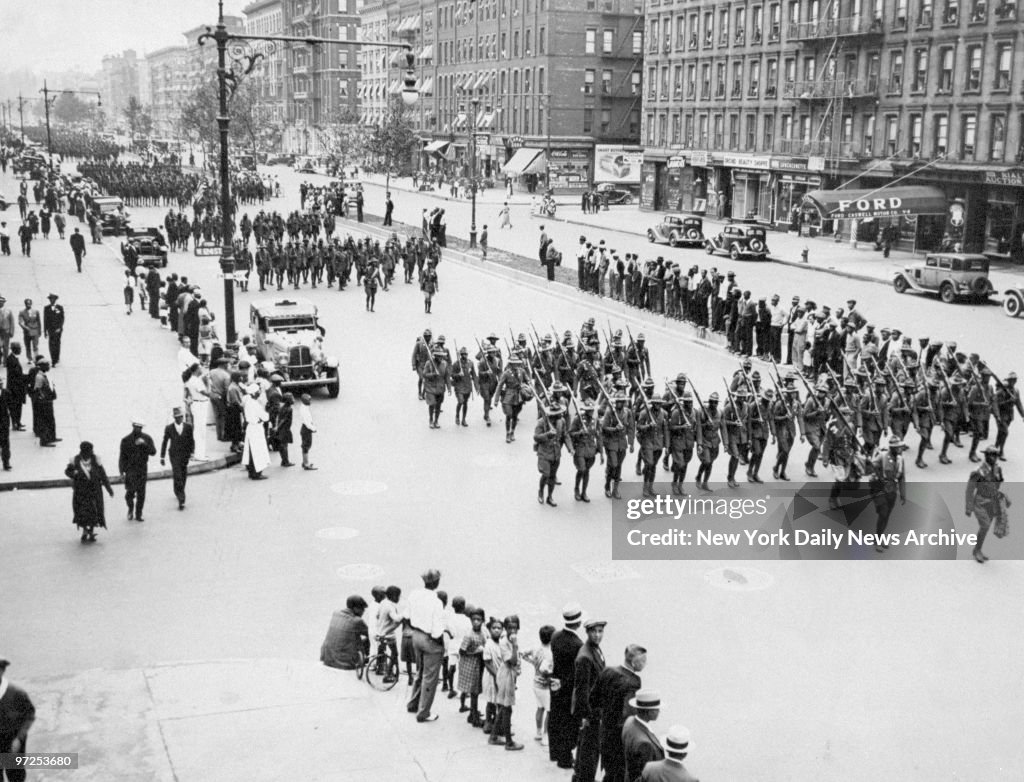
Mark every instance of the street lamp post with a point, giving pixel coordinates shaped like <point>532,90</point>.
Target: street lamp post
<point>21,117</point>
<point>227,81</point>
<point>475,103</point>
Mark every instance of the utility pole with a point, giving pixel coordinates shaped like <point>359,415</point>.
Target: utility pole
<point>46,103</point>
<point>475,103</point>
<point>21,117</point>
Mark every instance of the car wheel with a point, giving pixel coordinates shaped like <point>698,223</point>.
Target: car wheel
<point>757,246</point>
<point>900,284</point>
<point>734,252</point>
<point>650,236</point>
<point>692,234</point>
<point>947,294</point>
<point>980,286</point>
<point>1013,304</point>
<point>627,200</point>
<point>709,248</point>
<point>335,387</point>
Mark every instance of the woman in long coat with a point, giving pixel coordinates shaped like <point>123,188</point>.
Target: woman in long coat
<point>88,479</point>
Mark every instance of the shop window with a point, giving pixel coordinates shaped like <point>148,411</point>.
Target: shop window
<point>940,139</point>
<point>997,137</point>
<point>968,135</point>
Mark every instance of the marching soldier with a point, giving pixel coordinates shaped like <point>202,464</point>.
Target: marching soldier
<point>652,434</point>
<point>464,382</point>
<point>615,355</point>
<point>979,408</point>
<point>899,412</point>
<point>617,432</point>
<point>486,349</point>
<point>638,360</point>
<point>950,406</point>
<point>677,390</point>
<point>488,371</point>
<point>429,286</point>
<point>872,415</point>
<point>436,382</point>
<point>420,356</point>
<point>263,265</point>
<point>646,390</point>
<point>782,417</point>
<point>682,435</point>
<point>759,428</point>
<point>549,437</point>
<point>371,279</point>
<point>812,423</point>
<point>1007,400</point>
<point>587,444</point>
<point>740,377</point>
<point>543,361</point>
<point>925,418</point>
<point>734,432</point>
<point>888,478</point>
<point>985,500</point>
<point>513,391</point>
<point>709,438</point>
<point>588,382</point>
<point>566,361</point>
<point>440,344</point>
<point>839,451</point>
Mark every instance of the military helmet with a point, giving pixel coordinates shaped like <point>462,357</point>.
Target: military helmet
<point>649,382</point>
<point>713,397</point>
<point>681,377</point>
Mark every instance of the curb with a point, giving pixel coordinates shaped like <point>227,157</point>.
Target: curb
<point>198,468</point>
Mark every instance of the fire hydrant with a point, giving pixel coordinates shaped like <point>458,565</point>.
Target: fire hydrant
<point>803,256</point>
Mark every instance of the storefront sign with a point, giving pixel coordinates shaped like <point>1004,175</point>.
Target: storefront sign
<point>699,158</point>
<point>1013,177</point>
<point>676,162</point>
<point>570,154</point>
<point>885,202</point>
<point>515,142</point>
<point>815,163</point>
<point>747,161</point>
<point>648,182</point>
<point>617,164</point>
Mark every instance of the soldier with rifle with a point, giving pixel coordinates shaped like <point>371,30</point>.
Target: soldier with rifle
<point>617,432</point>
<point>782,418</point>
<point>759,428</point>
<point>566,360</point>
<point>488,371</point>
<point>841,451</point>
<point>950,407</point>
<point>587,444</point>
<point>979,406</point>
<point>549,436</point>
<point>421,353</point>
<point>513,391</point>
<point>1007,400</point>
<point>923,408</point>
<point>436,375</point>
<point>898,410</point>
<point>735,440</point>
<point>812,421</point>
<point>873,414</point>
<point>985,501</point>
<point>464,382</point>
<point>709,437</point>
<point>682,435</point>
<point>652,434</point>
<point>638,359</point>
<point>643,395</point>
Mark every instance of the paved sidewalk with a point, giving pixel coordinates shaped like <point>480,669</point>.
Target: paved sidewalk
<point>113,366</point>
<point>824,254</point>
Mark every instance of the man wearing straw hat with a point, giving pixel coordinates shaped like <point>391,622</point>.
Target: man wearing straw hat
<point>562,727</point>
<point>671,769</point>
<point>639,744</point>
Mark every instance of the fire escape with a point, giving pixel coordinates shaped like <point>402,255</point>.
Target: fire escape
<point>834,90</point>
<point>624,88</point>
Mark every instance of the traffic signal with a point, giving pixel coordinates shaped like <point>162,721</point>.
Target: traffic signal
<point>409,92</point>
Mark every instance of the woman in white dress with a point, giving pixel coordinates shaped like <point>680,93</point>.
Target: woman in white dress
<point>197,403</point>
<point>255,454</point>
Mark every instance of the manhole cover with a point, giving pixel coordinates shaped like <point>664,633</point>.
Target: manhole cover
<point>604,572</point>
<point>357,488</point>
<point>361,572</point>
<point>739,579</point>
<point>337,533</point>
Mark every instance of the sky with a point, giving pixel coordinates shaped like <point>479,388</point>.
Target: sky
<point>60,35</point>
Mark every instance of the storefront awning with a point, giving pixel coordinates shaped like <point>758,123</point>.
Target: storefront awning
<point>525,161</point>
<point>427,53</point>
<point>437,147</point>
<point>884,202</point>
<point>486,121</point>
<point>396,87</point>
<point>428,86</point>
<point>460,121</point>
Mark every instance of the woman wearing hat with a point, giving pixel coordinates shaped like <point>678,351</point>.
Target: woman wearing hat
<point>197,402</point>
<point>88,480</point>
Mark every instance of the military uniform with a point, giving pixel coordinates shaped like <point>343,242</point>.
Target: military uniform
<point>652,434</point>
<point>979,409</point>
<point>985,500</point>
<point>420,356</point>
<point>617,432</point>
<point>812,422</point>
<point>587,443</point>
<point>512,390</point>
<point>735,437</point>
<point>949,406</point>
<point>638,360</point>
<point>549,436</point>
<point>1007,400</point>
<point>682,435</point>
<point>709,438</point>
<point>464,382</point>
<point>488,371</point>
<point>888,479</point>
<point>436,376</point>
<point>783,426</point>
<point>759,428</point>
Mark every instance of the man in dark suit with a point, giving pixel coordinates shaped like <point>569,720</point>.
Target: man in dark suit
<point>5,428</point>
<point>190,321</point>
<point>671,769</point>
<point>178,435</point>
<point>16,717</point>
<point>639,744</point>
<point>615,687</point>
<point>589,664</point>
<point>389,208</point>
<point>17,386</point>
<point>53,326</point>
<point>77,242</point>
<point>562,728</point>
<point>133,464</point>
<point>153,283</point>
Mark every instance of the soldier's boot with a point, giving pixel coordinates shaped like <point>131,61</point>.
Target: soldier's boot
<point>576,488</point>
<point>942,454</point>
<point>639,466</point>
<point>978,556</point>
<point>731,474</point>
<point>540,489</point>
<point>783,461</point>
<point>973,455</point>
<point>1001,442</point>
<point>551,490</point>
<point>615,489</point>
<point>583,487</point>
<point>920,454</point>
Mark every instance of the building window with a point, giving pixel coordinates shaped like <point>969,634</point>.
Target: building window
<point>720,80</point>
<point>588,81</point>
<point>589,47</point>
<point>754,80</point>
<point>1004,58</point>
<point>920,83</point>
<point>757,25</point>
<point>997,137</point>
<point>772,80</point>
<point>680,32</point>
<point>769,132</point>
<point>787,127</point>
<point>702,131</point>
<point>606,82</point>
<point>805,128</point>
<point>652,36</point>
<point>691,81</point>
<point>588,124</point>
<point>634,123</point>
<point>924,16</point>
<point>946,60</point>
<point>739,34</point>
<point>916,130</point>
<point>664,83</point>
<point>705,81</point>
<point>979,10</point>
<point>968,135</point>
<point>734,131</point>
<point>542,40</point>
<point>1006,9</point>
<point>634,83</point>
<point>677,81</point>
<point>895,73</point>
<point>940,139</point>
<point>638,42</point>
<point>652,84</point>
<point>951,13</point>
<point>677,128</point>
<point>790,70</point>
<point>737,78</point>
<point>892,135</point>
<point>846,136</point>
<point>606,41</point>
<point>810,69</point>
<point>515,44</point>
<point>719,131</point>
<point>974,68</point>
<point>606,121</point>
<point>869,134</point>
<point>693,25</point>
<point>899,17</point>
<point>709,29</point>
<point>723,27</point>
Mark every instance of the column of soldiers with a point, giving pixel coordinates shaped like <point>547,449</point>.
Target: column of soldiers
<point>601,402</point>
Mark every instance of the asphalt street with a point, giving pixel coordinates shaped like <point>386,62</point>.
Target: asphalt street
<point>783,670</point>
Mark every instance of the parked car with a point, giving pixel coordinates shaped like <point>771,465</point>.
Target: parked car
<point>1013,303</point>
<point>739,241</point>
<point>150,244</point>
<point>677,231</point>
<point>114,218</point>
<point>614,194</point>
<point>951,275</point>
<point>288,335</point>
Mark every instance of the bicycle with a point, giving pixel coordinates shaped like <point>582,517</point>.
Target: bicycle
<point>382,669</point>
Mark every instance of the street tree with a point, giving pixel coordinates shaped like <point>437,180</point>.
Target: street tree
<point>138,118</point>
<point>69,108</point>
<point>251,123</point>
<point>392,142</point>
<point>344,139</point>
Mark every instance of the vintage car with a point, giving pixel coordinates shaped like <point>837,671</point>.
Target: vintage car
<point>114,219</point>
<point>951,275</point>
<point>288,335</point>
<point>1013,303</point>
<point>281,160</point>
<point>739,241</point>
<point>28,162</point>
<point>677,231</point>
<point>613,194</point>
<point>150,245</point>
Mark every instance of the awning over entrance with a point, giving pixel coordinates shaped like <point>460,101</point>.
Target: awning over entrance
<point>437,147</point>
<point>885,202</point>
<point>525,161</point>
